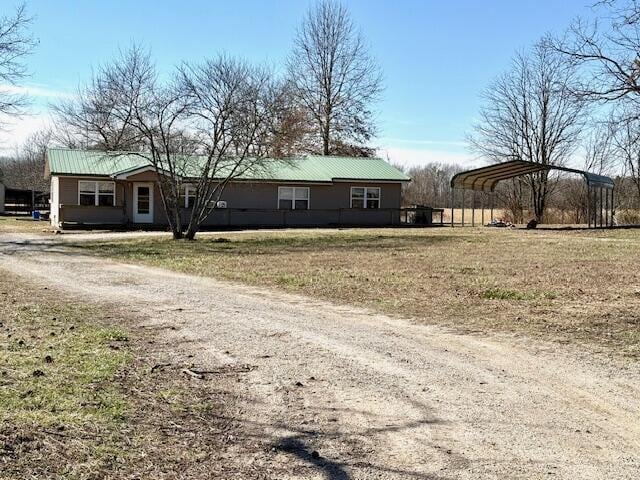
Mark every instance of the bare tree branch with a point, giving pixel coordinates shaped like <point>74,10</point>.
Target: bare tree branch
<point>530,114</point>
<point>334,80</point>
<point>233,111</point>
<point>16,43</point>
<point>209,125</point>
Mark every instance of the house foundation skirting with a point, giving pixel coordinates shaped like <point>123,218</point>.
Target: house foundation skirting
<point>116,218</point>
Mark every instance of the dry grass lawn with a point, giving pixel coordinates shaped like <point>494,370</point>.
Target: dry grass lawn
<point>12,224</point>
<point>568,286</point>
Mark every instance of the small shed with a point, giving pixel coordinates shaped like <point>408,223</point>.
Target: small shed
<point>20,201</point>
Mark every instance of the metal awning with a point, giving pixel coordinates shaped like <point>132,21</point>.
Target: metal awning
<point>485,179</point>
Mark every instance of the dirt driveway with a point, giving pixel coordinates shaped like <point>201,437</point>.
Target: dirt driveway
<point>375,397</point>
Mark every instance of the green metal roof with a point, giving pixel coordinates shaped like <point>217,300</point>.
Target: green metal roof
<point>90,163</point>
<point>486,178</point>
<point>303,169</point>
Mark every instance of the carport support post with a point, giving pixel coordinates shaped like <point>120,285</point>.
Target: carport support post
<point>491,197</point>
<point>453,191</point>
<point>588,206</point>
<point>463,190</point>
<point>613,205</point>
<point>610,219</point>
<point>594,206</point>
<point>606,207</point>
<point>473,209</point>
<point>601,223</point>
<point>609,209</point>
<point>598,209</point>
<point>482,204</point>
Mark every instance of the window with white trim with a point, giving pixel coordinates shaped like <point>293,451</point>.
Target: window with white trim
<point>293,198</point>
<point>365,197</point>
<point>99,194</point>
<point>189,196</point>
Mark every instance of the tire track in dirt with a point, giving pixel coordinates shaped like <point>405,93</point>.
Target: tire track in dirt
<point>377,397</point>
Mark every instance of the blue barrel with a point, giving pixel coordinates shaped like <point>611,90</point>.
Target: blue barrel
<point>35,214</point>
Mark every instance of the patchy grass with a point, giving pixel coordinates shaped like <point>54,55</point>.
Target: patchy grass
<point>57,370</point>
<point>495,293</point>
<point>11,224</point>
<point>82,397</point>
<point>569,286</point>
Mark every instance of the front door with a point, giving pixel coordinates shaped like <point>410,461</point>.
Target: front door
<point>143,203</point>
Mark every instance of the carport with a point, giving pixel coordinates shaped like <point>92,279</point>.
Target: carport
<point>600,189</point>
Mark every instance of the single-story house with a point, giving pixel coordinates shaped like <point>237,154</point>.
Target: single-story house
<point>95,188</point>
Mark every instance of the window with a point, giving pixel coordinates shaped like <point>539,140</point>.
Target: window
<point>189,196</point>
<point>87,193</point>
<point>293,198</point>
<point>101,194</point>
<point>372,198</point>
<point>106,194</point>
<point>365,197</point>
<point>143,197</point>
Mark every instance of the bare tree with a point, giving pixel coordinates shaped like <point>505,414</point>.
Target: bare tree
<point>570,197</point>
<point>124,107</point>
<point>290,123</point>
<point>430,185</point>
<point>607,49</point>
<point>210,124</point>
<point>16,43</point>
<point>32,156</point>
<point>334,80</point>
<point>530,115</point>
<point>233,108</point>
<point>99,116</point>
<point>626,147</point>
<point>511,194</point>
<point>24,170</point>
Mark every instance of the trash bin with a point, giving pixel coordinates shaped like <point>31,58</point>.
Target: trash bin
<point>35,214</point>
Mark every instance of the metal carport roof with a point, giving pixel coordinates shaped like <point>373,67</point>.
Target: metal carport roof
<point>485,179</point>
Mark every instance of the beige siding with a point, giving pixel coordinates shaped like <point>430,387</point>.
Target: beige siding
<point>87,215</point>
<point>54,208</point>
<point>71,212</point>
<point>69,189</point>
<point>143,177</point>
<point>329,204</point>
<point>337,195</point>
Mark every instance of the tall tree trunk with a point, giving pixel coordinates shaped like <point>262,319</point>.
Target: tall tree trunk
<point>190,234</point>
<point>171,207</point>
<point>539,192</point>
<point>326,138</point>
<point>176,225</point>
<point>173,215</point>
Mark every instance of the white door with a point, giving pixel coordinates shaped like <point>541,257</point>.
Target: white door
<point>143,203</point>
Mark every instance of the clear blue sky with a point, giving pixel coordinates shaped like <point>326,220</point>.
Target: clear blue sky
<point>436,56</point>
